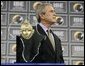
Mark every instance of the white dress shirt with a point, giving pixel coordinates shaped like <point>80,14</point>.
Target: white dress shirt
<point>43,27</point>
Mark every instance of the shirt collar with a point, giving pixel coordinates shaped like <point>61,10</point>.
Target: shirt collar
<point>43,27</point>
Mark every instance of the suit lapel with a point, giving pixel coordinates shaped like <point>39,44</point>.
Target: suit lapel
<point>48,43</point>
<point>40,30</point>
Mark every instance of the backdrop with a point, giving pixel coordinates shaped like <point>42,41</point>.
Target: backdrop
<point>70,31</point>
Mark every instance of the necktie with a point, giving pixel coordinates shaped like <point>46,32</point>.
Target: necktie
<point>50,36</point>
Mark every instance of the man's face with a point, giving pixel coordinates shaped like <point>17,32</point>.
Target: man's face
<point>49,15</point>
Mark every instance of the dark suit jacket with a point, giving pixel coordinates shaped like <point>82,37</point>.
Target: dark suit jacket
<point>39,48</point>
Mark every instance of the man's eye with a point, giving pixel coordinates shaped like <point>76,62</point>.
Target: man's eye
<point>52,11</point>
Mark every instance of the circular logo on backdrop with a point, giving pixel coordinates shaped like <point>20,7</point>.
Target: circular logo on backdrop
<point>17,19</point>
<point>78,7</point>
<point>59,20</point>
<point>78,35</point>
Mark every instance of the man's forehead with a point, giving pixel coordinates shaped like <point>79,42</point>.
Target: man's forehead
<point>49,7</point>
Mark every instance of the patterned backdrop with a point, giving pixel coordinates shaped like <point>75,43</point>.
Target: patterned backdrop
<point>70,31</point>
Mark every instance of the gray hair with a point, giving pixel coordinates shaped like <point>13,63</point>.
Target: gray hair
<point>40,9</point>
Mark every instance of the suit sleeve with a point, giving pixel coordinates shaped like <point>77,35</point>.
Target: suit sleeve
<point>30,47</point>
<point>24,49</point>
<point>19,49</point>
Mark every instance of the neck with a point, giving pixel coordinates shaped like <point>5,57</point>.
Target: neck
<point>46,24</point>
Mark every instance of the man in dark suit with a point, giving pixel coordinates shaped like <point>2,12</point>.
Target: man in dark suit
<point>40,48</point>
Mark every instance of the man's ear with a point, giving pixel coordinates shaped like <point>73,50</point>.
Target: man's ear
<point>42,15</point>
